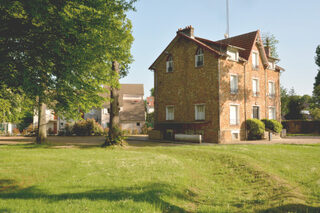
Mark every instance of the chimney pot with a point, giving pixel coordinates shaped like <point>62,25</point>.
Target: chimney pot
<point>189,31</point>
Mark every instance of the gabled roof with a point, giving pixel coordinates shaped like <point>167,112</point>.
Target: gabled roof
<point>198,42</point>
<point>245,41</point>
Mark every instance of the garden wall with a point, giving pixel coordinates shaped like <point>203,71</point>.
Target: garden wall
<point>300,126</point>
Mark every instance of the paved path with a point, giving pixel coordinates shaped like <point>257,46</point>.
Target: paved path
<point>144,141</point>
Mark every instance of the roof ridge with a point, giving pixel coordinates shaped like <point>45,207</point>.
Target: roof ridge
<point>256,31</point>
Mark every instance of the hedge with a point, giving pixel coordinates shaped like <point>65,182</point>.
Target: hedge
<point>272,125</point>
<point>255,129</point>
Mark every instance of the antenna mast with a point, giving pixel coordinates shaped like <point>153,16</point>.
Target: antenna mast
<point>227,7</point>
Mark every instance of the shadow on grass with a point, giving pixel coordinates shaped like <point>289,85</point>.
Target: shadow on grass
<point>292,208</point>
<point>150,193</point>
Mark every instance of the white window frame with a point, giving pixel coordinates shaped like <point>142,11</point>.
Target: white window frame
<point>197,115</point>
<point>237,114</point>
<point>235,131</point>
<point>234,52</point>
<point>169,118</point>
<point>274,112</point>
<point>256,93</point>
<point>169,63</point>
<point>272,94</point>
<point>258,111</point>
<point>235,91</point>
<point>255,64</point>
<point>198,56</point>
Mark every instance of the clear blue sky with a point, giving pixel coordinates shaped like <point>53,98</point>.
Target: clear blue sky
<point>296,24</point>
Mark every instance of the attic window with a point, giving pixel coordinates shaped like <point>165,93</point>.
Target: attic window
<point>255,60</point>
<point>272,65</point>
<point>199,58</point>
<point>233,55</point>
<point>169,64</point>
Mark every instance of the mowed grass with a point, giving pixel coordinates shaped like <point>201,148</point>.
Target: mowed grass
<point>223,178</point>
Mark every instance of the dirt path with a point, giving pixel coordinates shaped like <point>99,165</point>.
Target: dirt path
<point>143,141</point>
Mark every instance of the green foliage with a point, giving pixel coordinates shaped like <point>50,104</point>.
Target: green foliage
<point>270,40</point>
<point>255,129</point>
<point>115,136</point>
<point>295,105</point>
<point>272,125</point>
<point>60,52</point>
<point>152,92</point>
<point>150,119</point>
<point>87,128</point>
<point>315,114</point>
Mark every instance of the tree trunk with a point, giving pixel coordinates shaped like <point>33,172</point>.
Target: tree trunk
<point>42,124</point>
<point>114,112</point>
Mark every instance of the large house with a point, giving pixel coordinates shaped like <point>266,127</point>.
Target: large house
<point>212,87</point>
<point>132,111</point>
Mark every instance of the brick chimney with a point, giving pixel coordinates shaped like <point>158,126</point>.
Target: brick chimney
<point>189,31</point>
<point>267,49</point>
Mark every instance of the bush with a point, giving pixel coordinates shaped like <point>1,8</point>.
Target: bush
<point>15,131</point>
<point>272,125</point>
<point>66,131</point>
<point>255,129</point>
<point>87,128</point>
<point>117,137</point>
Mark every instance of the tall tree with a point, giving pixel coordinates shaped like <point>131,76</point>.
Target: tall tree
<point>269,40</point>
<point>316,85</point>
<point>60,52</point>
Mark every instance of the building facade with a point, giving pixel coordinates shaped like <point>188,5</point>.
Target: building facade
<point>211,87</point>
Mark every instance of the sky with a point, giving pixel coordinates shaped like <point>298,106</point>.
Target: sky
<point>296,24</point>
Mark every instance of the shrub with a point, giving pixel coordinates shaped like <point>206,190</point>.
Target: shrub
<point>144,129</point>
<point>15,131</point>
<point>117,137</point>
<point>272,125</point>
<point>87,128</point>
<point>255,129</point>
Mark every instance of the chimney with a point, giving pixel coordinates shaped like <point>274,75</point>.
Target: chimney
<point>189,31</point>
<point>267,49</point>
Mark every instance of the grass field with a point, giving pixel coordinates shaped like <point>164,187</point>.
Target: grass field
<point>224,178</point>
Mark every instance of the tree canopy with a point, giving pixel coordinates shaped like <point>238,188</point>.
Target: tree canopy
<point>61,52</point>
<point>269,40</point>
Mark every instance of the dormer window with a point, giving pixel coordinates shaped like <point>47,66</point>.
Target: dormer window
<point>233,55</point>
<point>255,60</point>
<point>272,65</point>
<point>169,64</point>
<point>199,58</point>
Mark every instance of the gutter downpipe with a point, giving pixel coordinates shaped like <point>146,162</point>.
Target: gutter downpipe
<point>219,111</point>
<point>245,100</point>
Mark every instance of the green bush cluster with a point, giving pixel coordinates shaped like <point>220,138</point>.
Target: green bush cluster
<point>116,136</point>
<point>87,128</point>
<point>255,129</point>
<point>272,125</point>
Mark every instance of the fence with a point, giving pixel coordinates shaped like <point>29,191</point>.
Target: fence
<point>300,126</point>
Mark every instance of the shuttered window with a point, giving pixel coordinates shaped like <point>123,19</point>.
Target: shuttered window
<point>200,112</point>
<point>169,113</point>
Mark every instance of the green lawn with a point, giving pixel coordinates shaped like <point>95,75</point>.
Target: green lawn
<point>224,178</point>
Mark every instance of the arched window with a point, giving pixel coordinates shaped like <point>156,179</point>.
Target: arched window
<point>199,57</point>
<point>169,64</point>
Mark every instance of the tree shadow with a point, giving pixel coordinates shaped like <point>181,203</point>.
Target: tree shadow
<point>151,193</point>
<point>292,208</point>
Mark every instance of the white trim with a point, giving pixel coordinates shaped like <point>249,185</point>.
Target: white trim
<point>196,114</point>
<point>256,94</point>
<point>274,88</point>
<point>237,114</point>
<point>237,131</point>
<point>275,112</point>
<point>257,59</point>
<point>230,50</point>
<point>167,114</point>
<point>237,86</point>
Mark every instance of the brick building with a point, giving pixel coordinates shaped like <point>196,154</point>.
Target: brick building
<point>211,87</point>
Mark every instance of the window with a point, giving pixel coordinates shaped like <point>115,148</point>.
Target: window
<point>255,87</point>
<point>234,114</point>
<point>272,65</point>
<point>272,113</point>
<point>105,111</point>
<point>255,112</point>
<point>169,64</point>
<point>233,55</point>
<point>235,134</point>
<point>255,60</point>
<point>138,124</point>
<point>199,57</point>
<point>272,90</point>
<point>169,113</point>
<point>233,84</point>
<point>200,112</point>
